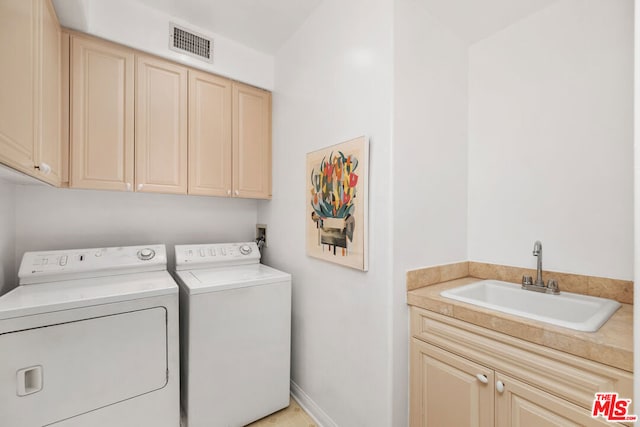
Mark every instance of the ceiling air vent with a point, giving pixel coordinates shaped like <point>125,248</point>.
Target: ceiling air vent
<point>185,41</point>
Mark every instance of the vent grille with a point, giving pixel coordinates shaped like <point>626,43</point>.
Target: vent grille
<point>185,41</point>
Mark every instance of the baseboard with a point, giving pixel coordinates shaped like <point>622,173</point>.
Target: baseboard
<point>310,407</point>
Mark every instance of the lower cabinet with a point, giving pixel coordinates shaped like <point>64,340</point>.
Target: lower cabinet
<point>464,375</point>
<point>447,390</point>
<point>519,404</point>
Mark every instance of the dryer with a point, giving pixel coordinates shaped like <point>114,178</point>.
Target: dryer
<point>90,338</point>
<point>235,332</point>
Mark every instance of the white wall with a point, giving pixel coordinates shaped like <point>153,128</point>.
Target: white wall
<point>50,218</point>
<point>430,140</point>
<point>429,157</point>
<point>136,25</point>
<point>550,140</point>
<point>334,83</point>
<point>7,236</point>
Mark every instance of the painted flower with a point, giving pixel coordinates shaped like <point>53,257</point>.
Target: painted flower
<point>333,186</point>
<point>353,180</point>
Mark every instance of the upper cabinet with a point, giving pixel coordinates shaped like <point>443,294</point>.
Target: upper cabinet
<point>30,88</point>
<point>161,126</point>
<point>195,133</point>
<point>251,142</point>
<point>80,111</point>
<point>209,135</point>
<point>102,114</point>
<point>49,152</point>
<point>229,138</point>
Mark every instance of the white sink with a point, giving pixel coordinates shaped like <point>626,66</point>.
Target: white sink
<point>574,311</point>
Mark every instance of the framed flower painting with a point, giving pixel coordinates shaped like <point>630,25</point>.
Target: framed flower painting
<point>337,203</point>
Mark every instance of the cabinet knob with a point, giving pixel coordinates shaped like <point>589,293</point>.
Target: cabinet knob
<point>500,387</point>
<point>237,193</point>
<point>129,186</point>
<point>140,186</point>
<point>44,168</point>
<point>482,378</point>
<point>228,192</point>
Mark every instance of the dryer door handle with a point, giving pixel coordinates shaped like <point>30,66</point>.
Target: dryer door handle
<point>29,380</point>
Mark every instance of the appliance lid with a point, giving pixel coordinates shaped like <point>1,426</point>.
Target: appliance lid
<point>189,257</point>
<point>53,266</point>
<point>70,294</point>
<point>220,279</point>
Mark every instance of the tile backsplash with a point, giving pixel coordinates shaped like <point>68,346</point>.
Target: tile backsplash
<point>619,290</point>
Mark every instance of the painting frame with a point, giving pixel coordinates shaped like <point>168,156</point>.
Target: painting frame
<point>337,212</point>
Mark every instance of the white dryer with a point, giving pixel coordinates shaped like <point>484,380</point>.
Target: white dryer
<point>235,332</point>
<point>90,338</point>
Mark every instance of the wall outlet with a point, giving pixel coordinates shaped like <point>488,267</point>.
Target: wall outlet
<point>261,232</point>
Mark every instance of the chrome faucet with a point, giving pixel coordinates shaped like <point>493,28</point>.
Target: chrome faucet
<point>537,251</point>
<point>527,282</point>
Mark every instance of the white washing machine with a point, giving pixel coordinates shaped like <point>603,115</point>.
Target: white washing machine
<point>90,338</point>
<point>235,331</point>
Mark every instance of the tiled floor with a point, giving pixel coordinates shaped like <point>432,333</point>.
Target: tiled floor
<point>292,416</point>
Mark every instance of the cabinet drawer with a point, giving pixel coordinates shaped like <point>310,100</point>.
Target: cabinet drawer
<point>564,375</point>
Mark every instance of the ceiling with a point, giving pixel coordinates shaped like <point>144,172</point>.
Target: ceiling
<point>265,25</point>
<point>261,24</point>
<point>474,20</point>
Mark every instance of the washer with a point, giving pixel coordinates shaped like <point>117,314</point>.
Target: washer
<point>235,320</point>
<point>90,338</point>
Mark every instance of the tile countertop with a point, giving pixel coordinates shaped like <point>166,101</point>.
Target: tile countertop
<point>611,345</point>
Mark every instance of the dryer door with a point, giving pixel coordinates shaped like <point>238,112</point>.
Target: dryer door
<point>56,372</point>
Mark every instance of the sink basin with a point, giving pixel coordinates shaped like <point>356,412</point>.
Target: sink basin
<point>569,310</point>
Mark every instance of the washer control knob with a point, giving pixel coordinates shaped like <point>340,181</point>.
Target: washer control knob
<point>245,249</point>
<point>146,254</point>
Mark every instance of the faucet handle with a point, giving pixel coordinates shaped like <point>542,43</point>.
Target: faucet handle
<point>527,280</point>
<point>552,287</point>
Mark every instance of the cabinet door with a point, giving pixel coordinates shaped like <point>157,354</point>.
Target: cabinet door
<point>65,105</point>
<point>161,126</point>
<point>209,135</point>
<point>251,142</point>
<point>102,127</point>
<point>448,390</point>
<point>18,92</point>
<point>523,405</point>
<point>49,152</point>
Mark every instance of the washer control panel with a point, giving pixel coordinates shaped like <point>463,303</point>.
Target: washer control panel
<point>49,266</point>
<point>216,255</point>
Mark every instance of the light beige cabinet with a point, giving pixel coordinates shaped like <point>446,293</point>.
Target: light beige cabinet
<point>520,404</point>
<point>465,375</point>
<point>251,142</point>
<point>189,131</point>
<point>161,126</point>
<point>30,122</point>
<point>446,390</point>
<point>102,115</point>
<point>229,138</point>
<point>209,135</point>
